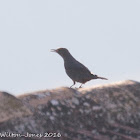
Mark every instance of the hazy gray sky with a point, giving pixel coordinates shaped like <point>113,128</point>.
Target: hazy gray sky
<point>104,35</point>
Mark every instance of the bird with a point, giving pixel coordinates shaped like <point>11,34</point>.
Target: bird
<point>74,69</point>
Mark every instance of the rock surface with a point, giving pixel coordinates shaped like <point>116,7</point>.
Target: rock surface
<point>108,112</point>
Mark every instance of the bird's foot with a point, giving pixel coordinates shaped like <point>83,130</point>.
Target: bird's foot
<point>80,86</point>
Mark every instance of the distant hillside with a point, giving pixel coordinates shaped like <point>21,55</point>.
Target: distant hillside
<point>108,112</point>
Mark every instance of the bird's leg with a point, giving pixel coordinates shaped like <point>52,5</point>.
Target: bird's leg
<point>73,84</point>
<point>80,86</point>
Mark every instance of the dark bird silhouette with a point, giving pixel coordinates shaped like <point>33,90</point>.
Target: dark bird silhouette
<point>74,69</point>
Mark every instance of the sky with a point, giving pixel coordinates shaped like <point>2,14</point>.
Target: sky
<point>103,35</point>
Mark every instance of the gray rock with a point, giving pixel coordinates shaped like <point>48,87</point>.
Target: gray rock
<point>109,112</point>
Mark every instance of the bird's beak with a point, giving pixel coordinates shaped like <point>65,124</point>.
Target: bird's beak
<point>53,50</point>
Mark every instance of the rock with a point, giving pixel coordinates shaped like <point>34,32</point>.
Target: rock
<point>54,102</point>
<point>12,107</point>
<point>109,112</point>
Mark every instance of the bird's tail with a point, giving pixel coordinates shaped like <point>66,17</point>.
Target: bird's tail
<point>97,77</point>
<point>102,78</point>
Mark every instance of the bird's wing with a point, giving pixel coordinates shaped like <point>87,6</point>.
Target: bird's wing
<point>83,68</point>
<point>78,72</point>
<point>77,68</point>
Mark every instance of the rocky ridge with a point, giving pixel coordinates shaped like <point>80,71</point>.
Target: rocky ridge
<point>109,112</point>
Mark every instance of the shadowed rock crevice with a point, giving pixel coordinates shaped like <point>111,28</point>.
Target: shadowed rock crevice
<point>109,112</point>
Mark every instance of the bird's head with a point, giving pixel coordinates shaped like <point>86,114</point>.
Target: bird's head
<point>61,51</point>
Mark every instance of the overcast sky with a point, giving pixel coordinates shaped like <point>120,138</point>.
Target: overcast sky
<point>104,35</point>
